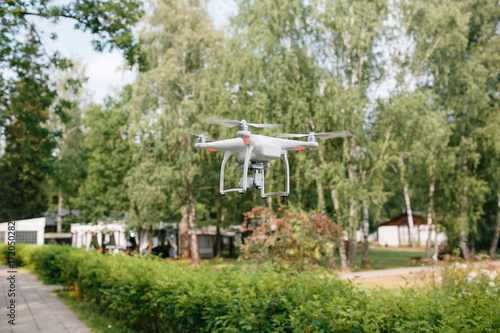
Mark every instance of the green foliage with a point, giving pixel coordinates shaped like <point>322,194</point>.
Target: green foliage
<point>296,240</point>
<point>108,21</point>
<point>28,94</point>
<point>24,114</point>
<point>106,138</point>
<point>456,57</point>
<point>312,65</point>
<point>160,296</point>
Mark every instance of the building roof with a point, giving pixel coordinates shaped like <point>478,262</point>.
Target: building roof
<point>403,220</point>
<point>51,217</point>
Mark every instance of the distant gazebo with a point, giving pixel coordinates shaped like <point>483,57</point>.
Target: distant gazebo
<point>395,232</point>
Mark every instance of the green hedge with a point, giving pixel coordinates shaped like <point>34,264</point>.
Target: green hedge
<point>160,296</point>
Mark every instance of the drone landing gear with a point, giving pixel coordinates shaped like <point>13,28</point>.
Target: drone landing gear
<point>287,180</point>
<point>257,181</point>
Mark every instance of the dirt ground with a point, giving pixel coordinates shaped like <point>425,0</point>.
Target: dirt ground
<point>418,281</point>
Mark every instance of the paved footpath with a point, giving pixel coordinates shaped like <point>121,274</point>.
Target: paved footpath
<point>401,271</point>
<point>37,309</point>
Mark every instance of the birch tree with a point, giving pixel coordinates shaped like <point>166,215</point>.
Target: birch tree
<point>450,43</point>
<point>165,107</point>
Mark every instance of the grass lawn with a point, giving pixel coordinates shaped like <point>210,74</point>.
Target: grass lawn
<point>385,258</point>
<point>96,320</point>
<point>393,284</point>
<point>380,258</point>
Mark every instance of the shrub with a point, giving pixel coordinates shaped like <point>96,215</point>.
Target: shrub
<point>297,240</point>
<point>21,254</point>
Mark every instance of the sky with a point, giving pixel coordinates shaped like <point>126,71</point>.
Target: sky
<point>106,70</point>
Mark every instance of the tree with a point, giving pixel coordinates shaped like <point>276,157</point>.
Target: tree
<point>24,111</point>
<point>109,22</point>
<point>147,193</point>
<point>71,159</point>
<point>27,92</point>
<point>104,193</point>
<point>166,100</point>
<point>346,51</point>
<point>453,44</point>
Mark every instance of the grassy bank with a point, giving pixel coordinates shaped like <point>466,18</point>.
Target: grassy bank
<point>91,315</point>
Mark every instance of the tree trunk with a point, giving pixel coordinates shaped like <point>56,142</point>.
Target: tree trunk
<point>436,244</point>
<point>195,254</point>
<point>463,216</point>
<point>351,254</point>
<point>139,235</point>
<point>463,223</point>
<point>218,237</point>
<point>218,244</point>
<point>430,217</point>
<point>59,212</point>
<point>496,235</point>
<point>184,231</point>
<point>366,228</point>
<point>463,246</point>
<point>340,239</point>
<point>321,195</point>
<point>409,215</point>
<point>353,227</point>
<point>472,247</point>
<point>150,240</point>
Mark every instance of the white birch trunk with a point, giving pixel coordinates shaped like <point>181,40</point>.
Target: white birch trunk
<point>59,212</point>
<point>351,254</point>
<point>463,224</point>
<point>436,244</point>
<point>496,235</point>
<point>464,216</point>
<point>409,215</point>
<point>321,195</point>
<point>184,232</point>
<point>340,239</point>
<point>366,226</point>
<point>430,216</point>
<point>195,254</point>
<point>366,229</point>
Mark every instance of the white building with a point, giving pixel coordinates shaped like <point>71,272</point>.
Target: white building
<point>31,231</point>
<point>395,232</point>
<point>117,235</point>
<point>166,237</point>
<point>106,233</point>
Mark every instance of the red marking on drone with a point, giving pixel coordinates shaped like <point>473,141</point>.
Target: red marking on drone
<point>245,140</point>
<point>301,148</point>
<point>210,149</point>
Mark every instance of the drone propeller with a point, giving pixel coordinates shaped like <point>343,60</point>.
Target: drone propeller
<point>233,123</point>
<point>201,136</point>
<point>323,135</point>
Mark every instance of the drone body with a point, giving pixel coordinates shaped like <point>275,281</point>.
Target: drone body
<point>254,153</point>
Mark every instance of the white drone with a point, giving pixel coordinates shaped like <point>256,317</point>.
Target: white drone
<point>254,152</point>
